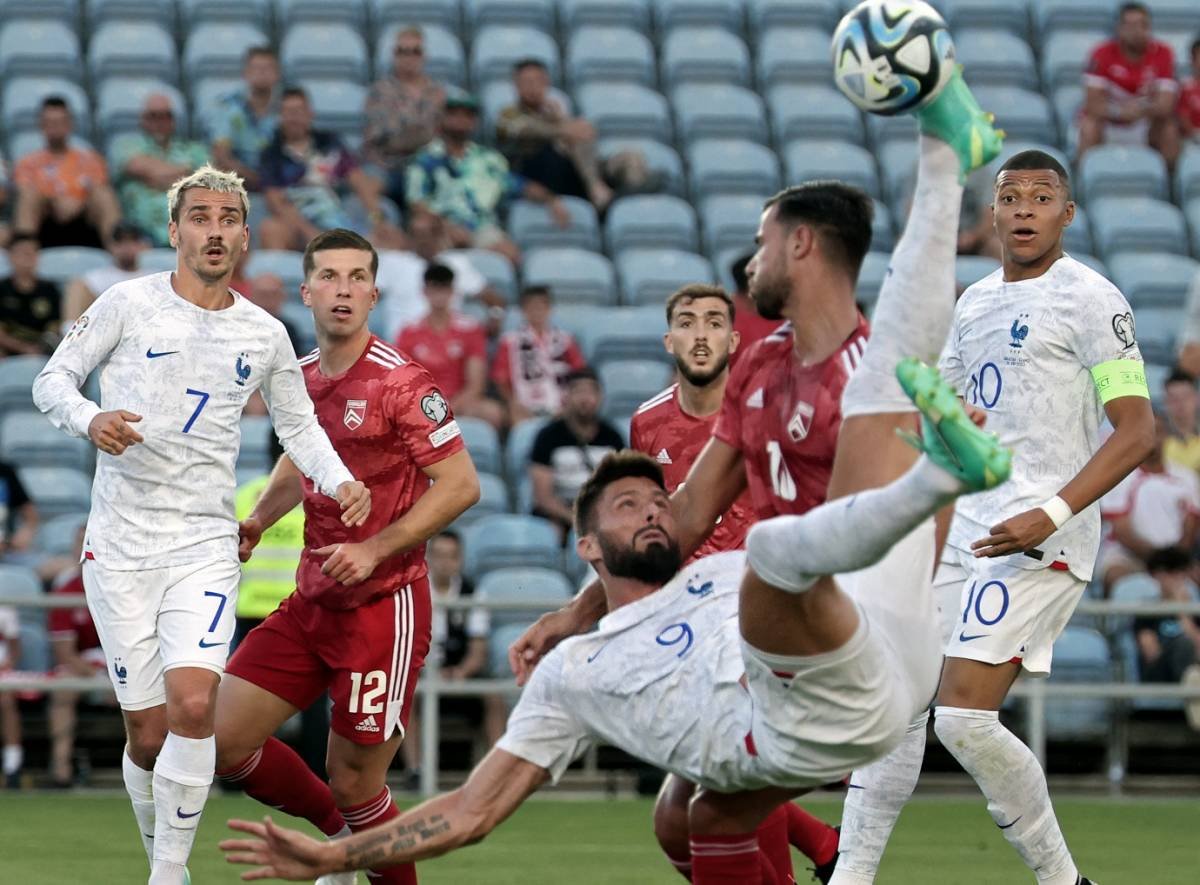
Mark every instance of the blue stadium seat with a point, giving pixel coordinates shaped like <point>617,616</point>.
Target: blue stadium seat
<point>793,55</point>
<point>634,14</point>
<point>1157,328</point>
<point>128,49</point>
<point>731,166</point>
<point>715,110</point>
<point>629,383</point>
<point>885,130</point>
<point>520,444</point>
<point>528,13</point>
<point>493,498</point>
<point>443,13</point>
<point>158,260</point>
<point>726,14</point>
<point>1091,261</point>
<point>650,221</point>
<point>20,580</point>
<point>62,10</point>
<point>625,109</point>
<point>708,54</point>
<point>1114,170</point>
<point>1013,146</point>
<point>1078,237</point>
<point>56,537</point>
<point>57,490</point>
<point>609,53</point>
<point>352,13</point>
<point>1137,223</point>
<point>337,105</point>
<point>16,382</point>
<point>1180,42</point>
<point>119,103</point>
<point>444,57</point>
<point>730,222</point>
<point>326,49</point>
<point>103,11</point>
<point>1080,655</point>
<point>1154,280</point>
<point>520,585</point>
<point>1067,101</point>
<point>1064,56</point>
<point>883,234</point>
<point>989,14</point>
<point>39,48</point>
<point>300,318</point>
<point>483,443</point>
<point>1187,173</point>
<point>800,111</point>
<point>532,227</point>
<point>497,47</point>
<point>871,276</point>
<point>507,540</point>
<point>623,333</point>
<point>254,451</point>
<point>573,274</point>
<point>970,269</point>
<point>1135,588</point>
<point>206,93</point>
<point>193,13</point>
<point>1073,15</point>
<point>286,264</point>
<point>61,264</point>
<point>766,16</point>
<point>649,276</point>
<point>807,160</point>
<point>1193,219</point>
<point>995,58</point>
<point>218,49</point>
<point>1021,113</point>
<point>23,97</point>
<point>496,269</point>
<point>29,439</point>
<point>1171,16</point>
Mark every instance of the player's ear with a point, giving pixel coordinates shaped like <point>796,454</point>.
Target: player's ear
<point>1070,213</point>
<point>587,547</point>
<point>667,343</point>
<point>305,295</point>
<point>800,240</point>
<point>735,338</point>
<point>173,234</point>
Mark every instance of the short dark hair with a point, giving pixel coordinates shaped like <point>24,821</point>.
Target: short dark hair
<point>294,92</point>
<point>523,63</point>
<point>1178,376</point>
<point>535,291</point>
<point>840,213</point>
<point>1195,47</point>
<point>438,275</point>
<point>737,270</point>
<point>256,51</point>
<point>338,238</point>
<point>614,466</point>
<point>1126,8</point>
<point>24,236</point>
<point>584,374</point>
<point>691,292</point>
<point>1168,559</point>
<point>55,101</point>
<point>1035,159</point>
<point>450,535</point>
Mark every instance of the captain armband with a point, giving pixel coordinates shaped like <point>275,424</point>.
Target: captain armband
<point>1117,378</point>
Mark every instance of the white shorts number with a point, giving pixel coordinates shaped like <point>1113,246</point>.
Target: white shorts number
<point>369,686</point>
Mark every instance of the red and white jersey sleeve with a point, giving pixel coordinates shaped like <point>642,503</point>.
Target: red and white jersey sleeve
<point>1123,77</point>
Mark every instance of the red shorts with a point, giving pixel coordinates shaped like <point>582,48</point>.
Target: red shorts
<point>368,658</point>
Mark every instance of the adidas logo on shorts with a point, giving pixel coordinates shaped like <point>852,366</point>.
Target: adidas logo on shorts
<point>368,724</point>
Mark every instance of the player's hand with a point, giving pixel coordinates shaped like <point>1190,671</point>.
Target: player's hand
<point>355,499</point>
<point>536,642</point>
<point>977,415</point>
<point>279,853</point>
<point>1025,531</point>
<point>250,532</point>
<point>348,563</point>
<point>110,431</point>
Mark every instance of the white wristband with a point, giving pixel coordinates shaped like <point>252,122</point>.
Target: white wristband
<point>1058,510</point>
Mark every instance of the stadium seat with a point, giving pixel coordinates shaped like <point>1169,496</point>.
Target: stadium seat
<point>624,333</point>
<point>649,276</point>
<point>390,13</point>
<point>1073,15</point>
<point>444,57</point>
<point>625,109</point>
<point>532,227</point>
<point>482,442</point>
<point>1014,146</point>
<point>57,490</point>
<point>1021,113</point>
<point>206,94</point>
<point>56,537</point>
<point>810,111</point>
<point>119,103</point>
<point>729,221</point>
<point>507,540</point>
<point>1080,655</point>
<point>496,269</point>
<point>497,47</point>
<point>871,276</point>
<point>1065,54</point>
<point>807,160</point>
<point>493,499</point>
<point>987,14</point>
<point>520,585</point>
<point>519,445</point>
<point>218,49</point>
<point>329,49</point>
<point>970,269</point>
<point>22,101</point>
<point>158,260</point>
<point>663,164</point>
<point>61,264</point>
<point>1134,588</point>
<point>883,234</point>
<point>133,48</point>
<point>1067,101</point>
<point>254,452</point>
<point>29,439</point>
<point>1091,261</point>
<point>1157,328</point>
<point>1154,280</point>
<point>995,58</point>
<point>573,14</point>
<point>286,264</point>
<point>527,13</point>
<point>715,110</point>
<point>573,274</point>
<point>337,104</point>
<point>1137,224</point>
<point>1171,16</point>
<point>300,318</point>
<point>20,580</point>
<point>193,13</point>
<point>725,14</point>
<point>629,383</point>
<point>650,221</point>
<point>39,48</point>
<point>1078,236</point>
<point>1114,170</point>
<point>1193,219</point>
<point>155,11</point>
<point>883,130</point>
<point>1187,173</point>
<point>731,166</point>
<point>62,10</point>
<point>16,382</point>
<point>793,55</point>
<point>609,54</point>
<point>352,13</point>
<point>766,16</point>
<point>707,54</point>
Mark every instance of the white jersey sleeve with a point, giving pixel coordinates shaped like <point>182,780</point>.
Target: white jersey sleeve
<point>950,363</point>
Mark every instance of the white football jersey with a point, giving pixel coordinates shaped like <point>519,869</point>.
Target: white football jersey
<point>1024,351</point>
<point>660,678</point>
<point>188,372</point>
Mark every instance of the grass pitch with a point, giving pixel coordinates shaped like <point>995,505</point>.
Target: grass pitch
<point>56,839</point>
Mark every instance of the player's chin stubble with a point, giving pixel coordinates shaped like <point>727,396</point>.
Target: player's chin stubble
<point>769,296</point>
<point>656,564</point>
<point>701,378</point>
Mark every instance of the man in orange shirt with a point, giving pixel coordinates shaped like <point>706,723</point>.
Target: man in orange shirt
<point>63,193</point>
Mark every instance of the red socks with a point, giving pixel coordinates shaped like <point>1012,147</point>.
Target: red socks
<point>275,775</point>
<point>371,814</point>
<point>730,860</point>
<point>813,838</point>
<point>773,845</point>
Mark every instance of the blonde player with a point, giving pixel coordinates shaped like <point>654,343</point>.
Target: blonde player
<point>179,354</point>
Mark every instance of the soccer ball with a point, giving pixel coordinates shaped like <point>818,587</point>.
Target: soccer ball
<point>891,56</point>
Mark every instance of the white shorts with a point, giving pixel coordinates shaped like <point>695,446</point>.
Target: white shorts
<point>995,613</point>
<point>817,718</point>
<point>159,619</point>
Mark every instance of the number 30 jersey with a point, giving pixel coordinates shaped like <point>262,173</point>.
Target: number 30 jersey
<point>188,372</point>
<point>784,418</point>
<point>1024,352</point>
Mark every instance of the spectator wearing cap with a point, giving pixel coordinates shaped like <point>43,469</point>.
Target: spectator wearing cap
<point>567,450</point>
<point>243,122</point>
<point>30,307</point>
<point>532,363</point>
<point>466,183</point>
<point>63,192</point>
<point>126,246</point>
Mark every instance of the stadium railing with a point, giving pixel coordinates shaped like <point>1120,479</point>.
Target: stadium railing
<point>1035,693</point>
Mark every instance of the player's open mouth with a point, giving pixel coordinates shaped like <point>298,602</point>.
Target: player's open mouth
<point>701,352</point>
<point>342,310</point>
<point>1024,234</point>
<point>214,252</point>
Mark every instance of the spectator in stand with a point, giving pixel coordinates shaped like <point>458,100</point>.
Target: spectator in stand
<point>466,183</point>
<point>63,193</point>
<point>1154,507</point>
<point>1189,98</point>
<point>147,164</point>
<point>1188,359</point>
<point>545,143</point>
<point>401,277</point>
<point>402,112</point>
<point>19,517</point>
<point>5,202</point>
<point>10,717</point>
<point>30,308</point>
<point>1131,89</point>
<point>567,450</point>
<point>1183,424</point>
<point>301,172</point>
<point>1169,647</point>
<point>126,245</point>
<point>453,347</point>
<point>244,121</point>
<point>533,362</point>
<point>458,648</point>
<point>746,320</point>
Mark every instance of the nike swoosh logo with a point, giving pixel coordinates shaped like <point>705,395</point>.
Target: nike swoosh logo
<point>151,355</point>
<point>855,787</point>
<point>1013,824</point>
<point>204,644</point>
<point>179,811</point>
<point>963,637</point>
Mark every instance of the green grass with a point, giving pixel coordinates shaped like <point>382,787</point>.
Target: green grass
<point>90,838</point>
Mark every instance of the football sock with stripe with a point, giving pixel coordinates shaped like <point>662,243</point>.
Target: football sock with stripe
<point>139,785</point>
<point>275,775</point>
<point>810,835</point>
<point>183,774</point>
<point>730,860</point>
<point>373,813</point>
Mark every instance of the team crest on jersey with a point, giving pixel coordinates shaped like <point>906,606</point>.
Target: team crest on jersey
<point>243,370</point>
<point>801,422</point>
<point>78,327</point>
<point>1122,325</point>
<point>434,407</point>
<point>1019,331</point>
<point>356,413</point>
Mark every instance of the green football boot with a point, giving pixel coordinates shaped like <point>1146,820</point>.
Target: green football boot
<point>955,117</point>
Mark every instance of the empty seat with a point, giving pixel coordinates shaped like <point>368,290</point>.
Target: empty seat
<point>604,13</point>
<point>987,14</point>
<point>970,269</point>
<point>663,164</point>
<point>883,130</point>
<point>629,383</point>
<point>351,12</point>
<point>39,47</point>
<point>520,444</point>
<point>1091,261</point>
<point>649,276</point>
<point>1193,218</point>
<point>56,537</point>
<point>329,49</point>
<point>704,53</point>
<point>493,498</point>
<point>1078,236</point>
<point>20,580</point>
<point>624,333</point>
<point>158,260</point>
<point>29,439</point>
<point>1154,280</point>
<point>496,269</point>
<point>286,264</point>
<point>506,540</point>
<point>1157,329</point>
<point>1187,174</point>
<point>995,58</point>
<point>1113,170</point>
<point>573,274</point>
<point>1073,15</point>
<point>193,13</point>
<point>218,49</point>
<point>766,16</point>
<point>1064,56</point>
<point>532,13</point>
<point>336,104</point>
<point>1067,101</point>
<point>528,584</point>
<point>125,48</point>
<point>443,13</point>
<point>23,98</point>
<point>716,110</point>
<point>1081,654</point>
<point>650,220</point>
<point>207,94</point>
<point>730,221</point>
<point>1137,223</point>
<point>871,276</point>
<point>63,263</point>
<point>16,381</point>
<point>793,55</point>
<point>57,490</point>
<point>482,443</point>
<point>1021,113</point>
<point>625,109</point>
<point>731,166</point>
<point>119,103</point>
<point>609,54</point>
<point>532,227</point>
<point>497,47</point>
<point>812,111</point>
<point>726,14</point>
<point>444,57</point>
<point>63,10</point>
<point>809,160</point>
<point>155,11</point>
<point>883,234</point>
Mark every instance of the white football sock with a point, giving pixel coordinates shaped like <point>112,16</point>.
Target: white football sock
<point>138,783</point>
<point>14,758</point>
<point>1015,787</point>
<point>182,777</point>
<point>913,314</point>
<point>790,552</point>
<point>872,807</point>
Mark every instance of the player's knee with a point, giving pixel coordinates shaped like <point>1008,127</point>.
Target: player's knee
<point>192,714</point>
<point>350,785</point>
<point>960,729</point>
<point>143,746</point>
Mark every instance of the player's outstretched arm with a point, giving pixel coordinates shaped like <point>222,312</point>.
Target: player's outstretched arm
<point>711,487</point>
<point>577,616</point>
<point>495,789</point>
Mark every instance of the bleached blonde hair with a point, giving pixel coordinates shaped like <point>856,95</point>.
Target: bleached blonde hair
<point>209,178</point>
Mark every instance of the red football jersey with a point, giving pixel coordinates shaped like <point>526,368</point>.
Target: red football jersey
<point>665,432</point>
<point>444,353</point>
<point>67,623</point>
<point>387,420</point>
<point>1189,102</point>
<point>1123,77</point>
<point>784,419</point>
